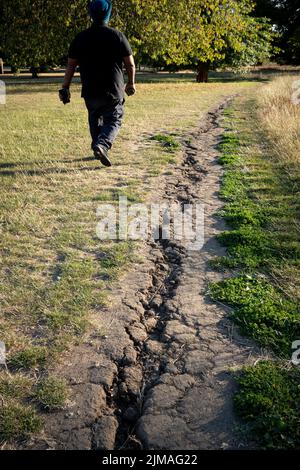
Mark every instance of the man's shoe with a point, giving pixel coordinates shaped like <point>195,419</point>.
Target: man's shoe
<point>101,154</point>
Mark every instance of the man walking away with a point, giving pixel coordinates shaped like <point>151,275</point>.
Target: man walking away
<point>100,51</point>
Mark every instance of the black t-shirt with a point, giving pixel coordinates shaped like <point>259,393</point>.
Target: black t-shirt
<point>100,51</point>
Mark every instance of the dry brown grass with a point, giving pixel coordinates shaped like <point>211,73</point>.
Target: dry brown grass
<point>282,120</point>
<point>278,128</point>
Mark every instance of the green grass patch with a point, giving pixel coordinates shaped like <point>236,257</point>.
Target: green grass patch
<point>14,386</point>
<point>269,400</point>
<point>51,393</point>
<point>28,358</point>
<point>68,299</point>
<point>168,142</point>
<point>18,422</point>
<point>260,311</point>
<point>115,257</point>
<point>229,143</point>
<point>114,194</point>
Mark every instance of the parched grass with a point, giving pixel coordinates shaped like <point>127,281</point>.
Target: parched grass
<point>55,271</point>
<point>260,154</point>
<point>281,119</point>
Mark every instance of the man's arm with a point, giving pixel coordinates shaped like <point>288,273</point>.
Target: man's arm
<point>70,71</point>
<point>64,93</point>
<point>130,69</point>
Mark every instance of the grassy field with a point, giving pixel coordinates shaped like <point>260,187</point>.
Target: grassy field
<point>261,157</point>
<point>54,270</point>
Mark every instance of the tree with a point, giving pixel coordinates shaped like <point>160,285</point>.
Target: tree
<point>37,32</point>
<point>256,46</point>
<point>195,32</point>
<point>167,32</point>
<point>293,47</point>
<point>285,16</point>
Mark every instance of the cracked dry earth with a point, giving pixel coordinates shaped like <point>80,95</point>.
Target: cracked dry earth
<point>160,379</point>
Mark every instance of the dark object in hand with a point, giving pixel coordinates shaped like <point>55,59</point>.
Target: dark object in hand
<point>65,95</point>
<point>130,90</point>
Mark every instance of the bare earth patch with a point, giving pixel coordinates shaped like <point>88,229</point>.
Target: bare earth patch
<point>160,378</point>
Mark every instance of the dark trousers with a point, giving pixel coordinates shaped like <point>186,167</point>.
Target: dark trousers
<point>105,120</point>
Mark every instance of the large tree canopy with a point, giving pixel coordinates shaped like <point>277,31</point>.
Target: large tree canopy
<point>166,32</point>
<point>183,31</point>
<point>37,32</point>
<point>186,32</point>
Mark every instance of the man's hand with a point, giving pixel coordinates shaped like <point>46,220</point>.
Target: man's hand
<point>130,69</point>
<point>65,95</point>
<point>130,89</point>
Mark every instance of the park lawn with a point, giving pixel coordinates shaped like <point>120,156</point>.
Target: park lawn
<point>261,158</point>
<point>54,270</point>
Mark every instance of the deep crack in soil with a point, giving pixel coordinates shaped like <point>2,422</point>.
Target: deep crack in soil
<point>160,379</point>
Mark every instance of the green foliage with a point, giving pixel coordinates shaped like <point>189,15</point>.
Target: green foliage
<point>51,393</point>
<point>256,46</point>
<point>37,33</point>
<point>269,400</point>
<point>168,33</point>
<point>260,311</point>
<point>162,32</point>
<point>285,16</point>
<point>17,422</point>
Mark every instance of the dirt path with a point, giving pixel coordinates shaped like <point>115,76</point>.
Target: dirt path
<point>160,380</point>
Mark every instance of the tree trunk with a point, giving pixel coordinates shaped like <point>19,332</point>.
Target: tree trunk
<point>202,72</point>
<point>34,72</point>
<point>15,70</point>
<point>1,67</point>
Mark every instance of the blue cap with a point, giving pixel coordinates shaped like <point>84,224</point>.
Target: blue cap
<point>100,10</point>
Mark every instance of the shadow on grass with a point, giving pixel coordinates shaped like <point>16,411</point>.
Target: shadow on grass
<point>10,169</point>
<point>75,160</point>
